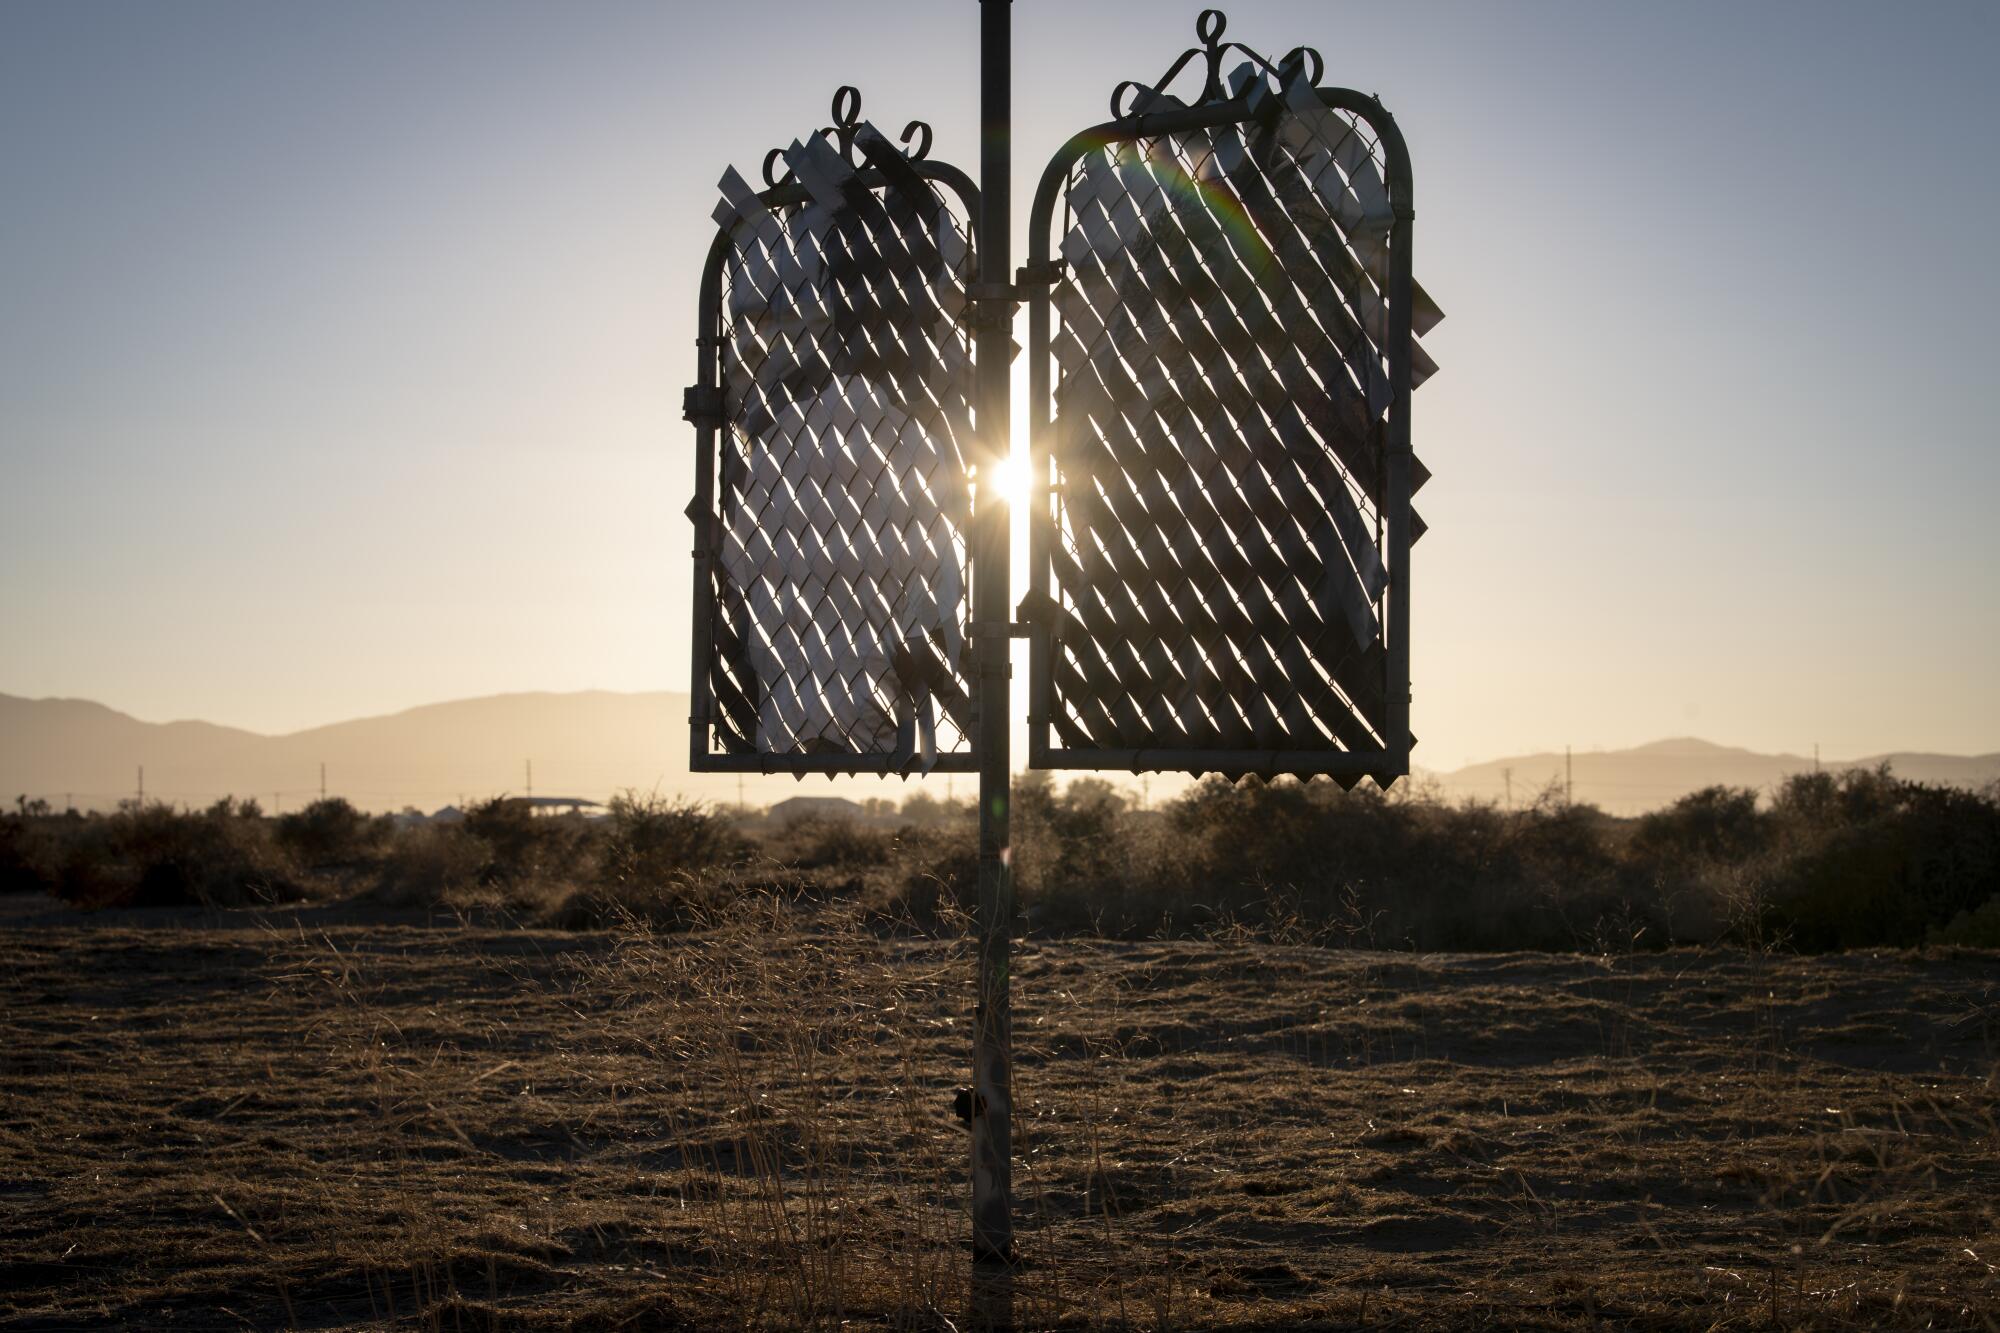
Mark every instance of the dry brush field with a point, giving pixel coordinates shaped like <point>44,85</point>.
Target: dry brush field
<point>227,1122</point>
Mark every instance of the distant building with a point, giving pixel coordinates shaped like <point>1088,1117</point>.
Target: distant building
<point>541,805</point>
<point>562,805</point>
<point>814,807</point>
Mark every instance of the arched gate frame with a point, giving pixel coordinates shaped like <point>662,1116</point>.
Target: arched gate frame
<point>804,665</point>
<point>1223,586</point>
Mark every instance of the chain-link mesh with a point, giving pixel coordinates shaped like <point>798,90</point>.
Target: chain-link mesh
<point>839,594</point>
<point>1219,558</point>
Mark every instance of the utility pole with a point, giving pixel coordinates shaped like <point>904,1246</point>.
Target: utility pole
<point>992,614</point>
<point>1507,776</point>
<point>142,784</point>
<point>1569,779</point>
<point>1815,756</point>
<point>322,779</point>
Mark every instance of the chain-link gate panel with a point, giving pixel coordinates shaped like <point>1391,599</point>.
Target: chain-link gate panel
<point>836,406</point>
<point>1217,545</point>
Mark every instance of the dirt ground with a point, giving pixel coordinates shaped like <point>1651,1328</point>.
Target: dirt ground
<point>224,1122</point>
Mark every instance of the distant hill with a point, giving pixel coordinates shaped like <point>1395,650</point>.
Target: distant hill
<point>597,742</point>
<point>588,744</point>
<point>1648,776</point>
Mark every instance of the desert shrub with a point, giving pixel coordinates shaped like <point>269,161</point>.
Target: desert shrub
<point>31,847</point>
<point>931,879</point>
<point>154,856</point>
<point>1308,861</point>
<point>1977,929</point>
<point>1809,801</point>
<point>652,840</point>
<point>1868,859</point>
<point>330,831</point>
<point>1074,835</point>
<point>1562,843</point>
<point>923,808</point>
<point>823,842</point>
<point>428,863</point>
<point>664,862</point>
<point>1239,834</point>
<point>1715,823</point>
<point>680,902</point>
<point>524,847</point>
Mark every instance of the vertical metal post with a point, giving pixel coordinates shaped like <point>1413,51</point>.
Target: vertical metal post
<point>992,1103</point>
<point>703,406</point>
<point>1396,739</point>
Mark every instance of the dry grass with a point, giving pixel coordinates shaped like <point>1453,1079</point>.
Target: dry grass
<point>228,1125</point>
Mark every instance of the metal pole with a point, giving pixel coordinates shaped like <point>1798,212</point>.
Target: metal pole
<point>992,1102</point>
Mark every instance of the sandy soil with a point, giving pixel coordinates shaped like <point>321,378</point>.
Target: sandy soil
<point>221,1123</point>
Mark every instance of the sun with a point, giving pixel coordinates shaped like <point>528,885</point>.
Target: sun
<point>1010,477</point>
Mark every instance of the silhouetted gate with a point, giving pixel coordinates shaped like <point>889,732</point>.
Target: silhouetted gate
<point>1220,551</point>
<point>1222,340</point>
<point>832,506</point>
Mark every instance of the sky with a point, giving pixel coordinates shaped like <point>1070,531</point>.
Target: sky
<point>342,347</point>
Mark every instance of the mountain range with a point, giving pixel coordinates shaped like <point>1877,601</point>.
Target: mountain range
<point>594,743</point>
<point>1645,777</point>
<point>586,745</point>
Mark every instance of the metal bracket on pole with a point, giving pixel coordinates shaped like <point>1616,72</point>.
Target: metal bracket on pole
<point>991,305</point>
<point>1037,273</point>
<point>702,404</point>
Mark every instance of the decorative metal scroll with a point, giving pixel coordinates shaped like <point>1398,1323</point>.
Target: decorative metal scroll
<point>832,504</point>
<point>1216,554</point>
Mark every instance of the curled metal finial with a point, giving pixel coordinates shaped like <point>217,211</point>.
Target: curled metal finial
<point>1209,27</point>
<point>845,133</point>
<point>1132,98</point>
<point>846,121</point>
<point>1297,59</point>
